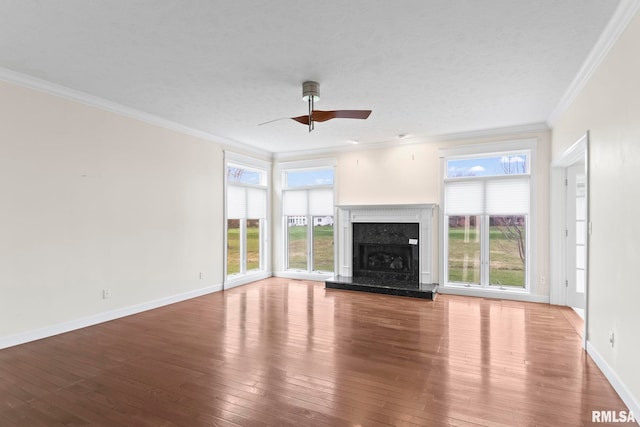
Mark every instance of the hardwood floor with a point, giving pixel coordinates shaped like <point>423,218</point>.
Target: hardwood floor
<point>290,353</point>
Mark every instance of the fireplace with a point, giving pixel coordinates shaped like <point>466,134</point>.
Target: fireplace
<point>386,251</point>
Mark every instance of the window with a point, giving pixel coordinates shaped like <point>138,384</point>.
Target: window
<point>312,177</point>
<point>307,207</point>
<point>246,209</point>
<point>487,219</point>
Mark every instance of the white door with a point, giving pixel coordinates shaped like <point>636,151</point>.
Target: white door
<point>576,234</point>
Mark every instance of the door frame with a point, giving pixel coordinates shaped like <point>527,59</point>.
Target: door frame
<point>575,176</point>
<point>576,153</point>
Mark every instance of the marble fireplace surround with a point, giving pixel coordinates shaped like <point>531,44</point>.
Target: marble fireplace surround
<point>422,214</point>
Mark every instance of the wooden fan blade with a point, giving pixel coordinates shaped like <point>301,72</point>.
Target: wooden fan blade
<point>274,120</point>
<point>352,114</point>
<point>323,116</point>
<point>301,119</point>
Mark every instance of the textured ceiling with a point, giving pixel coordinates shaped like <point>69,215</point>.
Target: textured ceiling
<point>425,68</point>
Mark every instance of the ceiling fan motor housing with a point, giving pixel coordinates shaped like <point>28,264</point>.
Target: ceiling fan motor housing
<point>311,90</point>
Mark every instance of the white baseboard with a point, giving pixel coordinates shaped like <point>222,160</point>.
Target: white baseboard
<point>627,397</point>
<point>301,275</point>
<point>71,325</point>
<point>244,279</point>
<point>491,293</point>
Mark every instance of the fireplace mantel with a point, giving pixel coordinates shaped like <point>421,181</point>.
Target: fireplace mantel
<point>423,214</point>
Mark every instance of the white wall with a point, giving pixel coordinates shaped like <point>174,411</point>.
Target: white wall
<point>609,107</point>
<point>93,200</point>
<point>410,174</point>
<point>406,174</point>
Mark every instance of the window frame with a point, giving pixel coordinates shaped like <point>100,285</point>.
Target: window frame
<point>285,177</point>
<point>232,159</point>
<point>468,156</point>
<point>304,166</point>
<point>486,150</point>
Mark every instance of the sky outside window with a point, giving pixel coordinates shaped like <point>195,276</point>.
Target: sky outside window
<point>309,177</point>
<point>512,164</point>
<point>244,175</point>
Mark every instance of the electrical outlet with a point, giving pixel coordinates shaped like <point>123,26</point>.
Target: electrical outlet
<point>542,280</point>
<point>611,338</point>
<point>201,275</point>
<point>106,293</point>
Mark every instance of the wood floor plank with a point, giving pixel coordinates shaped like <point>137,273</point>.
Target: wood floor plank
<point>287,353</point>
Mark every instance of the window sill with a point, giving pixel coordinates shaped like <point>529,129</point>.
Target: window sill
<point>508,294</point>
<point>304,275</point>
<point>242,279</point>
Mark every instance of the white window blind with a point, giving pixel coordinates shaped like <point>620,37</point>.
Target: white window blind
<point>493,196</point>
<point>294,203</point>
<point>246,202</point>
<point>256,203</point>
<point>321,202</point>
<point>464,197</point>
<point>236,202</point>
<point>507,196</point>
<point>316,202</point>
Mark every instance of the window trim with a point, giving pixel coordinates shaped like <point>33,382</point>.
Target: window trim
<point>238,160</point>
<point>481,150</point>
<point>305,165</point>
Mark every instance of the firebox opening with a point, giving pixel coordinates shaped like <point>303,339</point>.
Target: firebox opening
<point>386,251</point>
<point>394,258</point>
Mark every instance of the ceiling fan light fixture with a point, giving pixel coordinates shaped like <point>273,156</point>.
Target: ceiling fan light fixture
<point>310,91</point>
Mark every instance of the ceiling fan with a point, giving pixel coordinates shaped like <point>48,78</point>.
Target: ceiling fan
<point>311,94</point>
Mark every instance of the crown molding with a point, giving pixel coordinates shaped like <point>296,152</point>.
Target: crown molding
<point>477,134</point>
<point>624,13</point>
<point>40,85</point>
<point>44,86</point>
<point>495,132</point>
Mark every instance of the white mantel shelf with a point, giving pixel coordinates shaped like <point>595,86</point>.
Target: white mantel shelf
<point>423,214</point>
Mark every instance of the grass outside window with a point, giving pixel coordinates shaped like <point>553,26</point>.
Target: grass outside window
<point>507,263</point>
